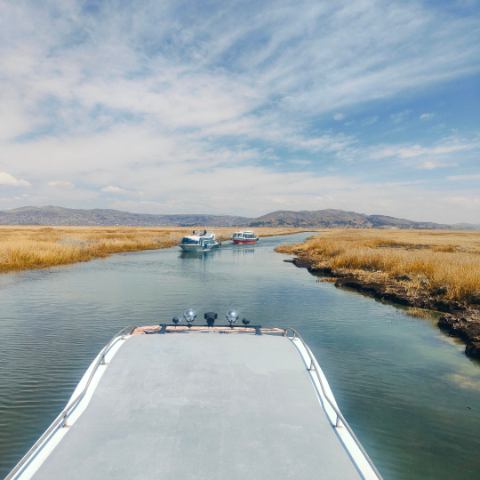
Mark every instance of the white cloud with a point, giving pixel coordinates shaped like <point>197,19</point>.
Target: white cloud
<point>444,147</point>
<point>113,189</point>
<point>467,202</point>
<point>472,176</point>
<point>11,181</point>
<point>60,184</point>
<point>339,116</point>
<point>434,164</point>
<point>182,86</point>
<point>426,116</point>
<point>428,165</point>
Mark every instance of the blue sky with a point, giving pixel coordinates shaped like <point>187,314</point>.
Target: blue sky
<point>242,107</point>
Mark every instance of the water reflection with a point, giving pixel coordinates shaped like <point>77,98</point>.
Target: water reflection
<point>243,250</point>
<point>195,255</point>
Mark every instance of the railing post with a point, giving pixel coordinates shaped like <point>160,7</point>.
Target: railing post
<point>312,366</point>
<point>64,420</point>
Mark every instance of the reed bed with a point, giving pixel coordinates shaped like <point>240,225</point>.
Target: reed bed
<point>24,248</point>
<point>441,261</point>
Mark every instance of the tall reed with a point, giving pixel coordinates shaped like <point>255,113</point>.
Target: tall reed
<point>444,260</point>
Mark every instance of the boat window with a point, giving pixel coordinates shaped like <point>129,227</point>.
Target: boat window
<point>189,240</point>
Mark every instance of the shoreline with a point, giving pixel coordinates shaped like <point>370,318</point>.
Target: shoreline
<point>457,319</point>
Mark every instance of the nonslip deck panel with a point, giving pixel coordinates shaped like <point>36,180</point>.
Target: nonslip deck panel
<point>202,406</point>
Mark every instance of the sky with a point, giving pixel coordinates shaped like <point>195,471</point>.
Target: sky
<point>242,107</point>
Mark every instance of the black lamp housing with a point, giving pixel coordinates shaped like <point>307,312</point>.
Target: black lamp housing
<point>210,318</point>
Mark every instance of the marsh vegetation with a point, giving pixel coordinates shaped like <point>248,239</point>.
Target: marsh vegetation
<point>24,248</point>
<point>441,261</point>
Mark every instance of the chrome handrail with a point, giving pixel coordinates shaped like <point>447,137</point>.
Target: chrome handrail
<point>339,416</point>
<point>61,420</point>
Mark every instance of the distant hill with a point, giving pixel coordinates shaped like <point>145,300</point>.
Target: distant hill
<point>51,215</point>
<point>465,226</point>
<point>306,218</point>
<point>59,216</point>
<point>337,218</point>
<point>379,221</point>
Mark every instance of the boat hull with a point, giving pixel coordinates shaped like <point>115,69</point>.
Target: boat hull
<point>252,241</point>
<point>198,248</point>
<point>194,248</point>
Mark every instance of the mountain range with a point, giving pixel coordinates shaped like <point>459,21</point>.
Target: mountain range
<point>59,216</point>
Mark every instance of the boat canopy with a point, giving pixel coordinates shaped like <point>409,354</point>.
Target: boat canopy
<point>246,234</point>
<point>193,240</point>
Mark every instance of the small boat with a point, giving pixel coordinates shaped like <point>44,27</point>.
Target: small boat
<point>199,242</point>
<point>245,237</point>
<point>178,401</point>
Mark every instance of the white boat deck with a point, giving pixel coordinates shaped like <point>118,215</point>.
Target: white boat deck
<point>202,405</point>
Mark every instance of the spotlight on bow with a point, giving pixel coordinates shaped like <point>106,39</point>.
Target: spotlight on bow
<point>245,321</point>
<point>232,317</point>
<point>189,315</point>
<point>210,318</point>
<point>175,321</point>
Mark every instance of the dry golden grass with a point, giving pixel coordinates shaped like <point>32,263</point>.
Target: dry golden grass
<point>432,259</point>
<point>39,247</point>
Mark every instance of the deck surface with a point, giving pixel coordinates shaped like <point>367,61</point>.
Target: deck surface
<point>202,406</point>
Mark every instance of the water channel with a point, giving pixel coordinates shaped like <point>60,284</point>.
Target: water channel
<point>409,392</point>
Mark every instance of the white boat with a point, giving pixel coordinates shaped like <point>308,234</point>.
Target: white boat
<point>199,242</point>
<point>245,237</point>
<point>179,401</point>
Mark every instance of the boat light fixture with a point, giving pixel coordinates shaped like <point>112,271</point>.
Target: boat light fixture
<point>175,321</point>
<point>210,318</point>
<point>232,317</point>
<point>189,315</point>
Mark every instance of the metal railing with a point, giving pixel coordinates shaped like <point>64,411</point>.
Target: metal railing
<point>61,420</point>
<point>340,419</point>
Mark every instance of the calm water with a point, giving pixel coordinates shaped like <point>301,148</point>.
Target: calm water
<point>409,392</point>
